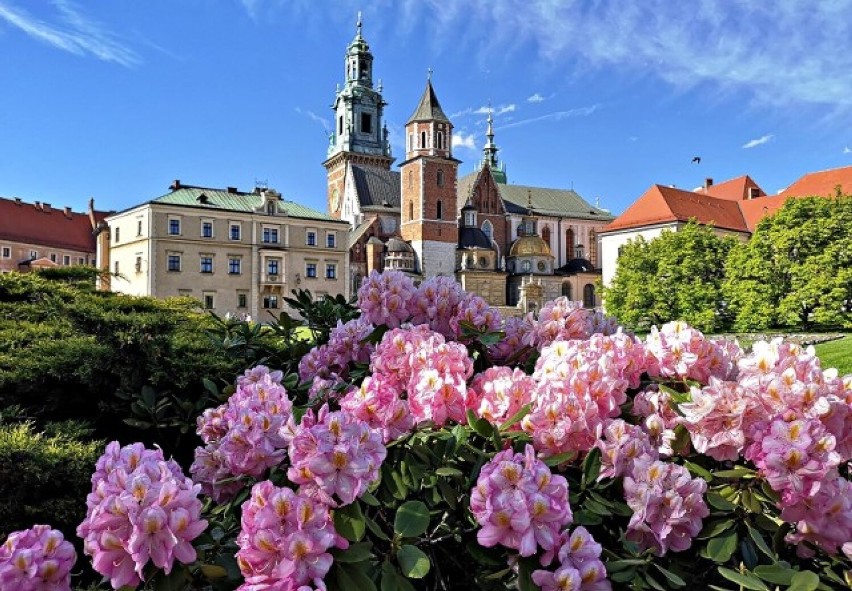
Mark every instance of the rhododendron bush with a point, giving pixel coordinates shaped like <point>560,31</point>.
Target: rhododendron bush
<point>429,444</point>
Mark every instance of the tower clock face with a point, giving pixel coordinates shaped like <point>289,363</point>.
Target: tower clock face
<point>335,200</point>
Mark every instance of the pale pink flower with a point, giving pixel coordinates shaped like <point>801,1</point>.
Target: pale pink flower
<point>36,559</point>
<point>621,446</point>
<point>714,419</point>
<point>378,404</point>
<point>580,567</point>
<point>499,393</point>
<point>383,298</point>
<point>823,519</point>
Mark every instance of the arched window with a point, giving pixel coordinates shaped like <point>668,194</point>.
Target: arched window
<point>440,178</point>
<point>566,290</point>
<point>545,234</point>
<point>488,229</point>
<point>439,140</point>
<point>593,248</point>
<point>422,139</point>
<point>410,210</point>
<point>589,296</point>
<point>440,210</point>
<point>569,244</point>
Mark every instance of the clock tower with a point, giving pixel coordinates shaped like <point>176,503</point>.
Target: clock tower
<point>359,136</point>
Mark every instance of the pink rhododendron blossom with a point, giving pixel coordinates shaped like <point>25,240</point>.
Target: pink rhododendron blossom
<point>621,446</point>
<point>383,298</point>
<point>36,559</point>
<point>498,393</point>
<point>823,519</point>
<point>565,320</point>
<point>714,419</point>
<point>401,352</point>
<point>378,404</point>
<point>245,436</point>
<point>519,503</point>
<point>679,351</point>
<point>435,303</point>
<point>334,456</point>
<point>438,386</point>
<point>668,506</point>
<point>580,567</point>
<point>345,345</point>
<point>474,310</point>
<point>794,455</point>
<point>512,346</point>
<point>284,540</point>
<point>141,508</point>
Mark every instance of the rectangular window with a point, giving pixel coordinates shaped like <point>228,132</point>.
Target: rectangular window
<point>7,252</point>
<point>66,260</point>
<point>174,262</point>
<point>117,234</point>
<point>235,231</point>
<point>329,240</point>
<point>33,254</point>
<point>310,270</point>
<point>53,257</point>
<point>366,123</point>
<point>272,267</point>
<point>270,302</point>
<point>138,264</point>
<point>139,228</point>
<point>174,227</point>
<point>270,235</point>
<point>234,266</point>
<point>331,271</point>
<point>81,261</point>
<point>311,238</point>
<point>208,302</point>
<point>242,300</point>
<point>207,229</point>
<point>116,267</point>
<point>206,264</point>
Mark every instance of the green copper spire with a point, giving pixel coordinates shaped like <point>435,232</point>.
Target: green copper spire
<point>489,152</point>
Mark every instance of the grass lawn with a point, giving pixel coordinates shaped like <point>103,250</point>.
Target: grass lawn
<point>837,354</point>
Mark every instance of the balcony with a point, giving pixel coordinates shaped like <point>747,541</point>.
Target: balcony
<point>272,278</point>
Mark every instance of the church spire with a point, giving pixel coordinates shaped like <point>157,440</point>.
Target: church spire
<point>489,152</point>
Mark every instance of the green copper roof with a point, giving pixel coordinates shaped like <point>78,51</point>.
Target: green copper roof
<point>429,108</point>
<point>216,199</point>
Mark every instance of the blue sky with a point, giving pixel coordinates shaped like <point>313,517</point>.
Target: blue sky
<point>113,100</point>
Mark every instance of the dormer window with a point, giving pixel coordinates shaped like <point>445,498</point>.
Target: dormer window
<point>469,219</point>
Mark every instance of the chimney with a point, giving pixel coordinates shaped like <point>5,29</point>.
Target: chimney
<point>175,185</point>
<point>45,207</point>
<point>67,212</point>
<point>708,182</point>
<point>232,190</point>
<point>37,204</point>
<point>753,193</point>
<point>18,201</point>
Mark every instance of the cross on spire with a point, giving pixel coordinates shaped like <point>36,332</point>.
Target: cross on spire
<point>429,74</point>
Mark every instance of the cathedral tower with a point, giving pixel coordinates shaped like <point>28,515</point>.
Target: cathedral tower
<point>359,135</point>
<point>428,180</point>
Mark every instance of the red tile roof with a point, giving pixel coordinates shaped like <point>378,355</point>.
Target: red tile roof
<point>45,225</point>
<point>822,183</point>
<point>727,205</point>
<point>662,204</point>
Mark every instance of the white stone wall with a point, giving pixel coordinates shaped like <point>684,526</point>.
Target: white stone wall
<point>611,242</point>
<point>436,258</point>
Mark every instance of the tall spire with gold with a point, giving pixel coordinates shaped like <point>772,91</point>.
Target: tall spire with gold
<point>489,152</point>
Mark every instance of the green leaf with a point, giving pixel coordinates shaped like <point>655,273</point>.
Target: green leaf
<point>775,573</point>
<point>746,580</point>
<point>721,549</point>
<point>560,458</point>
<point>591,466</point>
<point>712,529</point>
<point>354,553</point>
<point>804,581</point>
<point>412,519</point>
<point>210,387</point>
<point>213,571</point>
<point>516,418</point>
<point>734,473</point>
<point>348,576</point>
<point>369,499</point>
<point>677,397</point>
<point>717,501</point>
<point>698,470</point>
<point>374,527</point>
<point>349,522</point>
<point>758,540</point>
<point>413,562</point>
<point>447,471</point>
<point>149,397</point>
<point>673,578</point>
<point>525,568</point>
<point>392,580</point>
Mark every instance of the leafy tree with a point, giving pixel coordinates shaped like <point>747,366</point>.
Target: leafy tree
<point>796,270</point>
<point>676,276</point>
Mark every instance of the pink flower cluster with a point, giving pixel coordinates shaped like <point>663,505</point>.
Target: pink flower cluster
<point>474,310</point>
<point>519,503</point>
<point>383,298</point>
<point>679,351</point>
<point>621,446</point>
<point>141,508</point>
<point>498,393</point>
<point>245,436</point>
<point>435,303</point>
<point>823,519</point>
<point>580,567</point>
<point>284,540</point>
<point>345,345</point>
<point>714,418</point>
<point>335,455</point>
<point>36,559</point>
<point>512,346</point>
<point>564,320</point>
<point>378,404</point>
<point>580,388</point>
<point>668,506</point>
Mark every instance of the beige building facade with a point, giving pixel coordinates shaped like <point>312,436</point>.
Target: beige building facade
<point>235,252</point>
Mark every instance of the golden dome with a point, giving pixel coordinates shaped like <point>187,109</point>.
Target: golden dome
<point>529,246</point>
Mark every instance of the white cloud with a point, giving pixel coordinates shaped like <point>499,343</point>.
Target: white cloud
<point>326,124</point>
<point>759,141</point>
<point>74,33</point>
<point>460,140</point>
<point>484,110</point>
<point>535,98</point>
<point>554,116</point>
<point>846,150</point>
